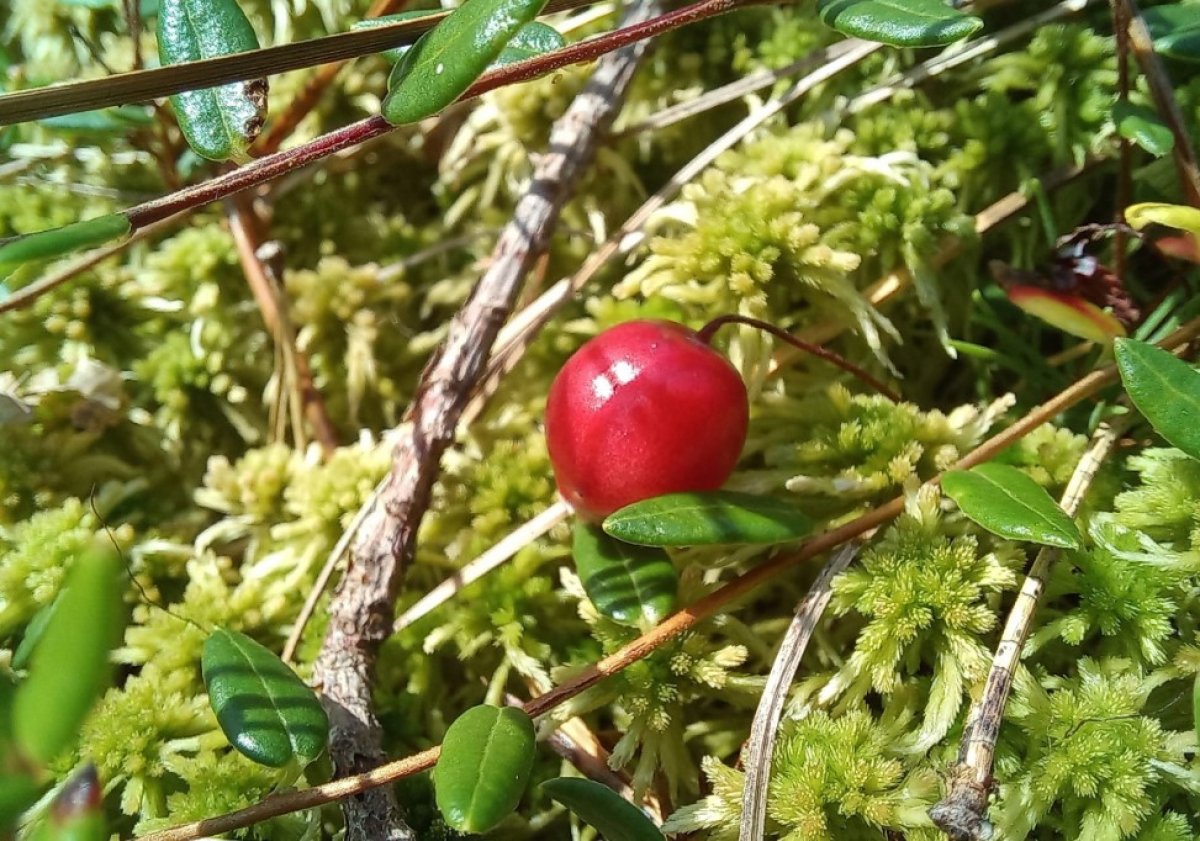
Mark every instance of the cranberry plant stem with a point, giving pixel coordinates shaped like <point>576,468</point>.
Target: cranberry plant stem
<point>706,333</point>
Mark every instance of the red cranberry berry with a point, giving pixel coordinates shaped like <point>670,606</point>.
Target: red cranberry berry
<point>645,408</point>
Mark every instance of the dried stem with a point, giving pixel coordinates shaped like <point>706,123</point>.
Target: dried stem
<point>1164,100</point>
<point>508,546</point>
<point>675,624</point>
<point>962,813</point>
<point>760,747</point>
<point>244,226</point>
<point>360,615</point>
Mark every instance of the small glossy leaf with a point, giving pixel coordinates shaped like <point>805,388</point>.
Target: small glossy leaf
<point>77,813</point>
<point>531,40</point>
<point>395,53</point>
<point>69,667</point>
<point>700,519</point>
<point>56,242</point>
<point>1069,313</point>
<point>485,763</point>
<point>219,123</point>
<point>627,583</point>
<point>1165,389</point>
<point>452,55</point>
<point>263,707</point>
<point>1175,29</point>
<point>1156,213</point>
<point>901,23</point>
<point>1142,126</point>
<point>1007,502</point>
<point>614,817</point>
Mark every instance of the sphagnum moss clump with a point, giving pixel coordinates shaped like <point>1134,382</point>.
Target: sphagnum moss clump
<point>146,396</point>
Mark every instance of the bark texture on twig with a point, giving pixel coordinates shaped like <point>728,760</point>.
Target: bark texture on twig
<point>962,813</point>
<point>361,613</point>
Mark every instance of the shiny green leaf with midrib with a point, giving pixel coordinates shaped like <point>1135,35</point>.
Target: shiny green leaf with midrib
<point>900,23</point>
<point>708,518</point>
<point>219,123</point>
<point>1165,389</point>
<point>452,55</point>
<point>1007,502</point>
<point>629,584</point>
<point>486,758</point>
<point>56,242</point>
<point>263,707</point>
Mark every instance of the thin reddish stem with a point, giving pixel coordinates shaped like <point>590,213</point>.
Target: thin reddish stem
<point>707,331</point>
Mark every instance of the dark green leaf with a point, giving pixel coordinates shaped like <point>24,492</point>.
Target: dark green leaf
<point>1007,502</point>
<point>613,816</point>
<point>452,55</point>
<point>901,23</point>
<point>59,241</point>
<point>395,53</point>
<point>17,793</point>
<point>485,762</point>
<point>263,707</point>
<point>1175,29</point>
<point>717,517</point>
<point>1142,126</point>
<point>1165,389</point>
<point>627,583</point>
<point>69,667</point>
<point>219,123</point>
<point>531,40</point>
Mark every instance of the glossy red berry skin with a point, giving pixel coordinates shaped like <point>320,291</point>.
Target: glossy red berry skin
<point>643,409</point>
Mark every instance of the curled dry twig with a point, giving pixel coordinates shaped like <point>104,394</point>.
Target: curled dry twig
<point>962,813</point>
<point>361,612</point>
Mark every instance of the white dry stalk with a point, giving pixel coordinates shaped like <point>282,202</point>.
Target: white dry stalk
<point>760,748</point>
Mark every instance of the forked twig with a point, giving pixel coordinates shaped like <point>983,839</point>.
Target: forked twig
<point>760,747</point>
<point>962,813</point>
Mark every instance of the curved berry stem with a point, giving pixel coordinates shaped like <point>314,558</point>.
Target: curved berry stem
<point>706,333</point>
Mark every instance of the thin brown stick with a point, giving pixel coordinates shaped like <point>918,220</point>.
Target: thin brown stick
<point>673,625</point>
<point>361,612</point>
<point>962,813</point>
<point>1164,101</point>
<point>760,747</point>
<point>247,237</point>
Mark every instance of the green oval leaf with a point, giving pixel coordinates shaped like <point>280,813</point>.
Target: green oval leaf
<point>1175,29</point>
<point>613,816</point>
<point>901,23</point>
<point>705,519</point>
<point>1007,502</point>
<point>485,762</point>
<point>1165,389</point>
<point>452,55</point>
<point>69,667</point>
<point>56,242</point>
<point>1156,213</point>
<point>531,40</point>
<point>17,793</point>
<point>263,707</point>
<point>1142,126</point>
<point>219,123</point>
<point>627,583</point>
